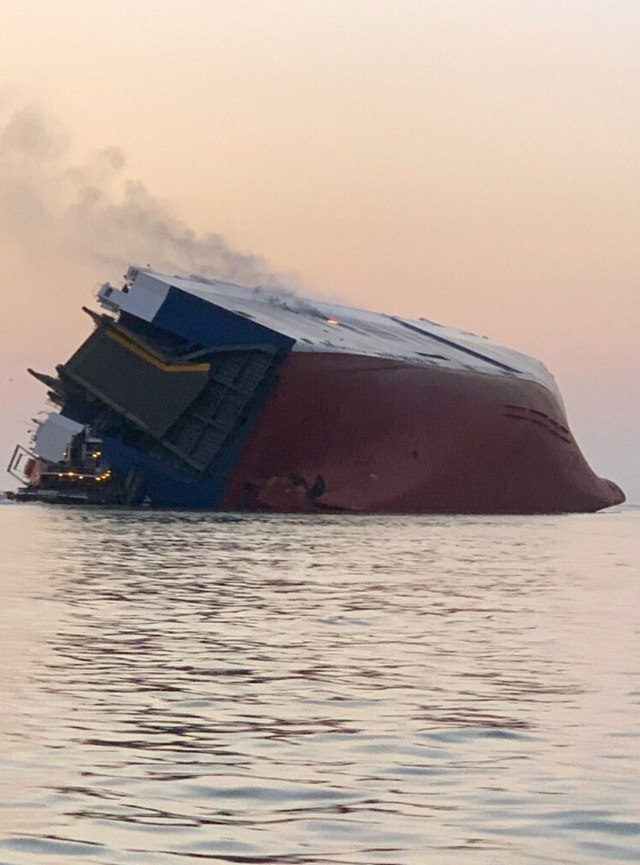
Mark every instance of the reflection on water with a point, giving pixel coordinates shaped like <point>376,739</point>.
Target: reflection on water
<point>195,687</point>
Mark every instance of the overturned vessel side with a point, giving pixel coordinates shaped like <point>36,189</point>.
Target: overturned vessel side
<point>196,393</point>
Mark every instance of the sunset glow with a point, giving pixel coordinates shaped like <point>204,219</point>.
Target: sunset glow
<point>471,162</point>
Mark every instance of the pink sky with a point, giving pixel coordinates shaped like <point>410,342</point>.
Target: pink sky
<point>473,162</point>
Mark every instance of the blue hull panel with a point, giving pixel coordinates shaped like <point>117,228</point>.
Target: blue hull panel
<point>161,485</point>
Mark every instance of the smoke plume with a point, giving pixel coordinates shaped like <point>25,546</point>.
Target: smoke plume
<point>94,212</point>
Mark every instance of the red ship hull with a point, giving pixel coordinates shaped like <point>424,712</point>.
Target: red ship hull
<point>369,435</point>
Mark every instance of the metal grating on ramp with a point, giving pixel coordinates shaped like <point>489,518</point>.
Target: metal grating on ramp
<point>198,436</point>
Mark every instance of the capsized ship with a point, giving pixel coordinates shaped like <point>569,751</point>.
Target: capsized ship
<point>202,394</point>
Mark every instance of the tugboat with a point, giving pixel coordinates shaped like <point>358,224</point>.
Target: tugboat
<point>78,478</point>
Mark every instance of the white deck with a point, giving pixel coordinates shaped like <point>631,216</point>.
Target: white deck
<point>329,327</point>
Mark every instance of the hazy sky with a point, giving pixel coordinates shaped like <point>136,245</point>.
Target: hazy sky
<point>472,161</point>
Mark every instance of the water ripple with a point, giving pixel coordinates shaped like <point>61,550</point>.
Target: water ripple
<point>349,691</point>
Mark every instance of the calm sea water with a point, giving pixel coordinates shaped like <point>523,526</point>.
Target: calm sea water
<point>180,688</point>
